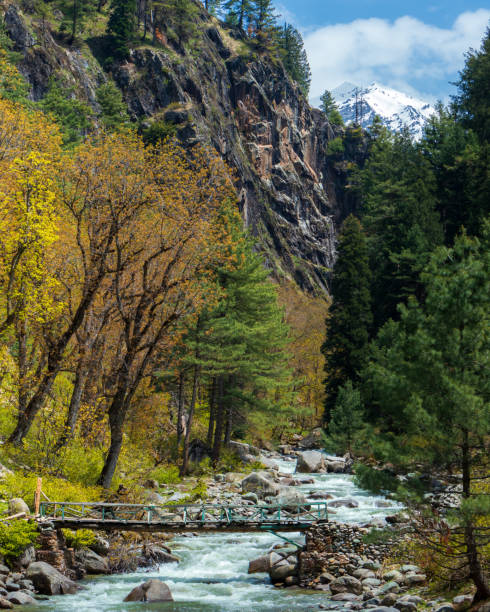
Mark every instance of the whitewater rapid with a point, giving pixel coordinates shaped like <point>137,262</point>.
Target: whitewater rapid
<point>212,575</point>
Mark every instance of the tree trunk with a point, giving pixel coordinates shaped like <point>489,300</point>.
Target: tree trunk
<point>117,413</point>
<point>212,412</point>
<point>74,407</point>
<point>220,417</point>
<point>22,365</point>
<point>229,424</point>
<point>180,410</point>
<point>475,569</point>
<point>185,454</point>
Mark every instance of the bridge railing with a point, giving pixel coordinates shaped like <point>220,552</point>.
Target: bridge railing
<point>184,514</point>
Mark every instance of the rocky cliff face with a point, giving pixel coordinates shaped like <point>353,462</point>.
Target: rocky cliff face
<point>219,91</point>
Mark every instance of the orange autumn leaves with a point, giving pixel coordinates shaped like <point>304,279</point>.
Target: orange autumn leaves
<point>105,248</point>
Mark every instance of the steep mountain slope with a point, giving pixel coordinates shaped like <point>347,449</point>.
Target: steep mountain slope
<point>395,108</point>
<point>217,89</point>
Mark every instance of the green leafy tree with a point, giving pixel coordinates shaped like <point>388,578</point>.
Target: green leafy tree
<point>72,114</point>
<point>350,318</point>
<point>293,55</point>
<point>121,26</point>
<point>113,109</point>
<point>429,382</point>
<point>346,422</point>
<point>329,107</point>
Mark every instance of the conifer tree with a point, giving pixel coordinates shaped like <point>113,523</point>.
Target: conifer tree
<point>400,218</point>
<point>293,55</point>
<point>349,320</point>
<point>329,107</point>
<point>121,26</point>
<point>429,384</point>
<point>346,421</point>
<point>264,18</point>
<point>238,12</point>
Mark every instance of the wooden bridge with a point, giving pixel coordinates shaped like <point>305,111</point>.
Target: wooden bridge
<point>178,518</point>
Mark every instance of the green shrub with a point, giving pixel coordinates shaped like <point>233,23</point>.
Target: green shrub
<point>16,537</point>
<point>113,109</point>
<point>166,474</point>
<point>159,131</point>
<point>81,538</point>
<point>335,148</point>
<point>378,536</point>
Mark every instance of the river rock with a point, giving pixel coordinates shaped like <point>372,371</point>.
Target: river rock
<point>27,557</point>
<point>259,484</point>
<point>312,440</point>
<point>390,587</point>
<point>344,503</point>
<point>49,581</point>
<point>462,602</point>
<point>91,562</point>
<point>394,575</point>
<point>18,505</point>
<point>150,591</point>
<point>362,573</point>
<point>335,467</point>
<point>290,499</point>
<point>4,570</point>
<point>282,570</point>
<point>260,565</point>
<point>5,604</point>
<point>346,584</point>
<point>413,579</point>
<point>410,568</point>
<point>309,461</point>
<point>21,599</point>
<point>445,608</point>
<point>156,554</point>
<point>101,546</point>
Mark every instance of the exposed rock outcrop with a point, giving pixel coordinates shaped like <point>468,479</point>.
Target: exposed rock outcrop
<point>243,104</point>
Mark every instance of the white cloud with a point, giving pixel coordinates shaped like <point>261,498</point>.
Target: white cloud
<point>403,54</point>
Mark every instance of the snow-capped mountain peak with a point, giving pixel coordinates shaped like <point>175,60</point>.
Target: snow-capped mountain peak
<point>395,108</point>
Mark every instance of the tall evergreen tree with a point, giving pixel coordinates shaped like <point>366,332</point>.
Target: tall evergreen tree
<point>238,12</point>
<point>329,107</point>
<point>264,22</point>
<point>121,26</point>
<point>429,384</point>
<point>293,55</point>
<point>350,319</point>
<point>400,218</point>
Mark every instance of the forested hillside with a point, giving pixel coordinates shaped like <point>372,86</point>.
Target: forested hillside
<point>408,337</point>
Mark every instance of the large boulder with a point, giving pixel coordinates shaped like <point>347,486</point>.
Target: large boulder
<point>259,565</point>
<point>245,452</point>
<point>49,581</point>
<point>91,562</point>
<point>312,440</point>
<point>18,505</point>
<point>260,485</point>
<point>289,498</point>
<point>310,461</point>
<point>346,584</point>
<point>151,591</point>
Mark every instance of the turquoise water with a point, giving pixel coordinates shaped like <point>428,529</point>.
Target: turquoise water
<point>212,575</point>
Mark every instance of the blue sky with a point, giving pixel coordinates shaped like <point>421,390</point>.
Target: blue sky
<point>416,47</point>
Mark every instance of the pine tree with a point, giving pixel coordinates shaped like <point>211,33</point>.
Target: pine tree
<point>264,22</point>
<point>294,58</point>
<point>429,383</point>
<point>113,109</point>
<point>471,103</point>
<point>329,107</point>
<point>121,26</point>
<point>238,12</point>
<point>399,215</point>
<point>349,320</point>
<point>346,423</point>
